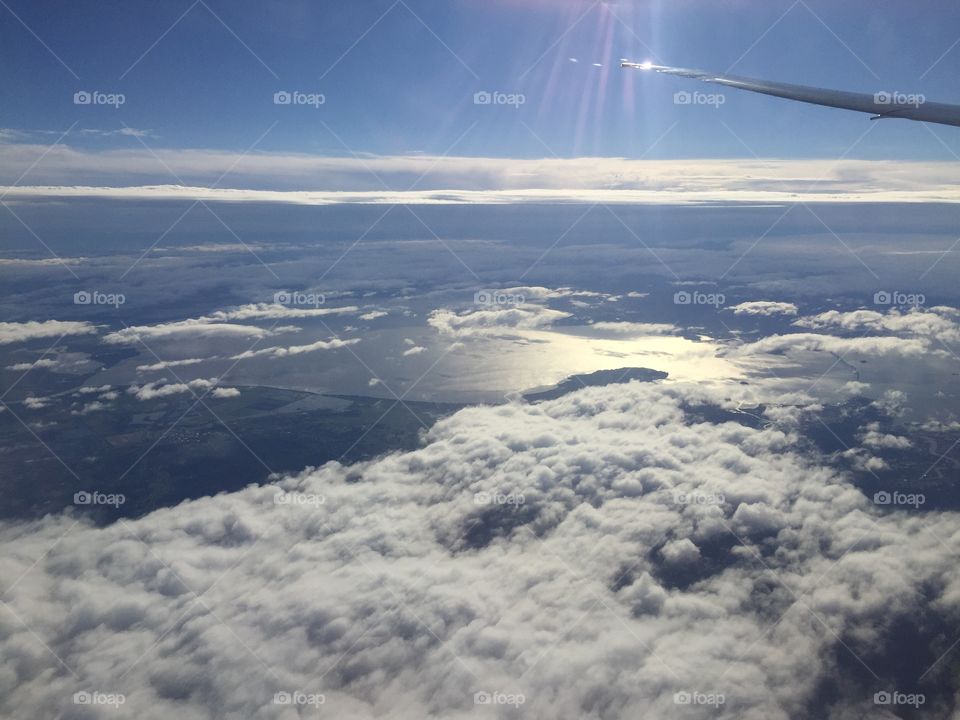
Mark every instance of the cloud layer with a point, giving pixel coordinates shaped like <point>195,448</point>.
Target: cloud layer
<point>546,550</point>
<point>313,179</point>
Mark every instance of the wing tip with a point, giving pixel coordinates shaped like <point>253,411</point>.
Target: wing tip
<point>638,66</point>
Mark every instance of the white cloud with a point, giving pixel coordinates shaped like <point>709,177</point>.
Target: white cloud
<point>160,389</point>
<point>279,351</point>
<point>11,332</point>
<point>484,321</point>
<point>415,350</point>
<point>42,262</point>
<point>939,426</point>
<point>681,551</point>
<point>400,595</point>
<point>90,389</point>
<point>40,363</point>
<point>36,403</point>
<point>224,323</point>
<point>71,171</point>
<point>871,345</point>
<point>222,392</point>
<point>273,311</point>
<point>928,323</point>
<point>127,131</point>
<point>757,196</point>
<point>764,307</point>
<point>909,334</point>
<point>872,437</point>
<point>194,327</point>
<point>863,461</point>
<point>61,362</point>
<point>164,364</point>
<point>892,402</point>
<point>93,406</point>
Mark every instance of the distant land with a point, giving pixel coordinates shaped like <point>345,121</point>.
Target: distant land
<point>594,379</point>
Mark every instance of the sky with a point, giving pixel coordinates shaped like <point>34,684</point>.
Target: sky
<point>731,529</point>
<point>398,77</point>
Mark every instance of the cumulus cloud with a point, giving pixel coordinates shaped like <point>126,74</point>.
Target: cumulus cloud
<point>539,292</point>
<point>864,461</point>
<point>475,322</point>
<point>872,437</point>
<point>60,362</point>
<point>680,551</point>
<point>160,389</point>
<point>892,402</point>
<point>928,323</point>
<point>222,392</point>
<point>280,351</point>
<point>12,332</point>
<point>939,426</point>
<point>164,364</point>
<point>765,308</point>
<point>93,406</point>
<point>910,334</point>
<point>222,323</point>
<point>391,589</point>
<point>274,311</point>
<point>871,345</point>
<point>91,389</point>
<point>37,403</point>
<point>194,327</point>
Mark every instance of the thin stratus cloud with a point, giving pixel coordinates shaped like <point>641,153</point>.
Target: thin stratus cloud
<point>62,171</point>
<point>485,197</point>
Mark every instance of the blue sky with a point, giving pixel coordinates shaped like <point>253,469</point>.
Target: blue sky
<point>400,77</point>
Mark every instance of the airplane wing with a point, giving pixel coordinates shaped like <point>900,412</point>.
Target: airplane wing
<point>880,105</point>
